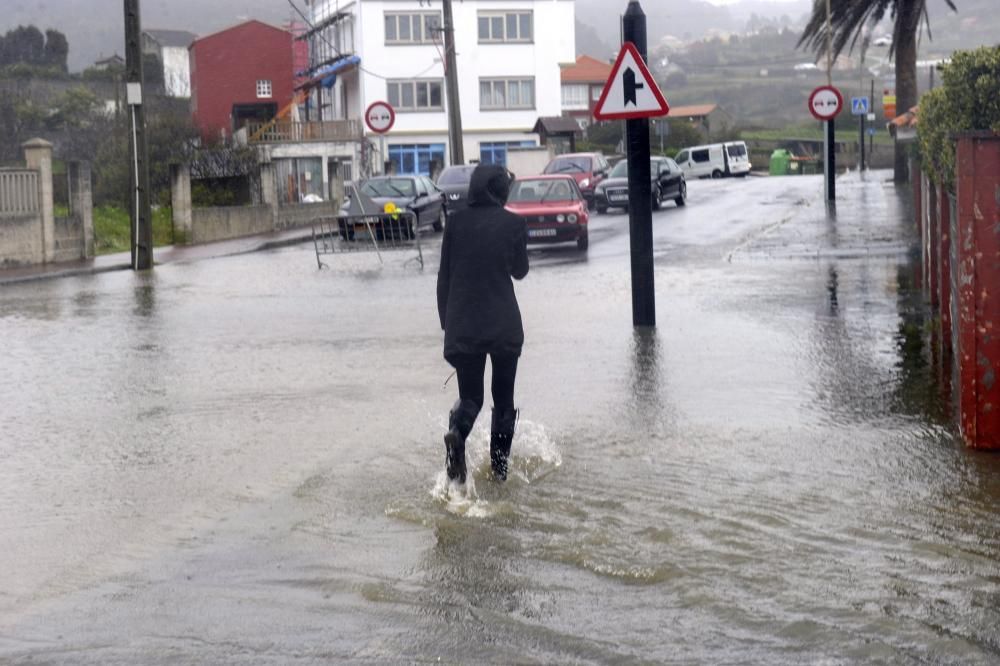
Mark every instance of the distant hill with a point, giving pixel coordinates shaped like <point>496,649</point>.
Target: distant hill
<point>96,27</point>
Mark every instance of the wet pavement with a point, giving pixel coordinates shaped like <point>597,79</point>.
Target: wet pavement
<point>240,459</point>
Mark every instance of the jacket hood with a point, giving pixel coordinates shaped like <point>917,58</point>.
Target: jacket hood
<point>490,186</point>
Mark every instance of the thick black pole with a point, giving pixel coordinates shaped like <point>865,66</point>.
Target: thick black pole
<point>861,141</point>
<point>871,137</point>
<point>830,168</point>
<point>640,196</point>
<point>138,167</point>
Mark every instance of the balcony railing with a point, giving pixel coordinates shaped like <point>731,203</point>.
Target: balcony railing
<point>285,131</point>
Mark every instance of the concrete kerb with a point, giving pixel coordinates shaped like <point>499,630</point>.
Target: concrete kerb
<point>167,255</point>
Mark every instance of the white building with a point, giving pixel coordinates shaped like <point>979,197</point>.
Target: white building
<point>171,47</point>
<point>508,51</point>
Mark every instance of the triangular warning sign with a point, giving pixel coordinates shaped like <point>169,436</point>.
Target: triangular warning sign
<point>631,91</point>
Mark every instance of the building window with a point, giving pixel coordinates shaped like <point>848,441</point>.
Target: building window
<point>495,152</point>
<point>412,27</point>
<point>574,96</point>
<point>505,27</point>
<point>264,89</point>
<point>298,178</point>
<point>595,92</point>
<point>422,95</point>
<point>415,159</point>
<point>496,94</point>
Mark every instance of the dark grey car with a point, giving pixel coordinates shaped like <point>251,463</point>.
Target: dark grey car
<point>667,178</point>
<point>454,180</point>
<point>414,193</point>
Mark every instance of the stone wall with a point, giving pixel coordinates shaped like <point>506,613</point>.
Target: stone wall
<point>213,224</point>
<point>204,225</point>
<point>302,215</point>
<point>21,240</point>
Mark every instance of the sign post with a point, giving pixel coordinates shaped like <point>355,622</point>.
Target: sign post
<point>380,117</point>
<point>859,108</point>
<point>826,103</point>
<point>631,94</point>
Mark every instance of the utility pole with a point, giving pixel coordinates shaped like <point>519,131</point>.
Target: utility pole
<point>640,193</point>
<point>141,214</point>
<point>451,82</point>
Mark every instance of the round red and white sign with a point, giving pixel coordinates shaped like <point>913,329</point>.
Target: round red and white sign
<point>826,103</point>
<point>380,117</point>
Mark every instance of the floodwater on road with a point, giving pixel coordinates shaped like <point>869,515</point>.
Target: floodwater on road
<point>241,459</point>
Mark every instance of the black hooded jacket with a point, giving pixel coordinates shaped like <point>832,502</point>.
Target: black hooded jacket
<point>484,246</point>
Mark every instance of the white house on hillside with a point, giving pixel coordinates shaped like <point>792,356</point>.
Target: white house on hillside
<point>509,54</point>
<point>171,47</point>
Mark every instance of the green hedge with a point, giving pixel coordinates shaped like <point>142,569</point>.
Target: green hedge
<point>969,99</point>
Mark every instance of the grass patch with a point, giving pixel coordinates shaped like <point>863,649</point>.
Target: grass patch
<point>813,132</point>
<point>112,229</point>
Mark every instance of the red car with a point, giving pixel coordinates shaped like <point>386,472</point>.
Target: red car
<point>553,207</point>
<point>588,169</point>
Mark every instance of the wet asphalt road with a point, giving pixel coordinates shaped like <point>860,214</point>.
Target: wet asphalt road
<point>238,460</point>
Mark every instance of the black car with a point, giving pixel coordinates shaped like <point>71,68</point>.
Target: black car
<point>454,181</point>
<point>417,194</point>
<point>667,183</point>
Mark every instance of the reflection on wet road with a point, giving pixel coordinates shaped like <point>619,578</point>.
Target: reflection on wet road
<point>240,459</point>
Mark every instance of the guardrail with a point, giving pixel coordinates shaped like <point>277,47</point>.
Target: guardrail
<point>18,192</point>
<point>283,131</point>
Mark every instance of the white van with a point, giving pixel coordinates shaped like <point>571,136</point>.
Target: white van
<point>715,160</point>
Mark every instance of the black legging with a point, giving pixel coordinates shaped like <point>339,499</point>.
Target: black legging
<point>471,369</point>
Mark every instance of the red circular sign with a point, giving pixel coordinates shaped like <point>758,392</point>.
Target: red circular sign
<point>380,117</point>
<point>826,103</point>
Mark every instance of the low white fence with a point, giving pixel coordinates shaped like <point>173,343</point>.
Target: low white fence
<point>18,192</point>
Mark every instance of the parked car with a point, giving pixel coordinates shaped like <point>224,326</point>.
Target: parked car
<point>667,182</point>
<point>588,169</point>
<point>715,160</point>
<point>553,207</point>
<point>454,182</point>
<point>417,194</point>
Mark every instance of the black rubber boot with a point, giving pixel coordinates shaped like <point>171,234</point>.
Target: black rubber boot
<point>501,437</point>
<point>460,421</point>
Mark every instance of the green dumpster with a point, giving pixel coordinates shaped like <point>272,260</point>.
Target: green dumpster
<point>781,161</point>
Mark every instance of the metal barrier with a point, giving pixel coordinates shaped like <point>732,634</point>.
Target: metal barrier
<point>365,229</point>
<point>18,192</point>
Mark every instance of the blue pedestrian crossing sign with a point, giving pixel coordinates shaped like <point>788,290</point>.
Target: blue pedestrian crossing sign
<point>859,106</point>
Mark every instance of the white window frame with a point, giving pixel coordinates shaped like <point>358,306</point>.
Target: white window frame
<point>575,96</point>
<point>506,82</point>
<point>505,38</point>
<point>265,90</point>
<point>413,83</point>
<point>410,41</point>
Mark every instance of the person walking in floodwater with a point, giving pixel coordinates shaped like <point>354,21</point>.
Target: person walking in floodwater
<point>484,247</point>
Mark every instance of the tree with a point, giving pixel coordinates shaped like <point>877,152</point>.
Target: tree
<point>23,45</point>
<point>56,50</point>
<point>849,18</point>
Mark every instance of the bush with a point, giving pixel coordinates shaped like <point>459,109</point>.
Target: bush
<point>968,100</point>
<point>113,229</point>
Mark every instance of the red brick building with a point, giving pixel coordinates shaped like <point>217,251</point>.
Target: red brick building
<point>241,74</point>
<point>582,83</point>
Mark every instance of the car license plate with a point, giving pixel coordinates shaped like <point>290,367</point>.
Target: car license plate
<point>536,233</point>
<point>618,196</point>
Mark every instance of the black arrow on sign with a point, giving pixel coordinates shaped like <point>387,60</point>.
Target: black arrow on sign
<point>628,79</point>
